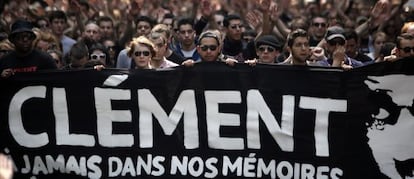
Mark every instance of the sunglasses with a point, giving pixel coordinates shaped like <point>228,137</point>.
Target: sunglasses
<point>264,48</point>
<point>98,56</point>
<point>319,24</point>
<point>335,42</point>
<point>407,49</point>
<point>110,47</point>
<point>236,26</point>
<point>139,53</point>
<point>206,47</point>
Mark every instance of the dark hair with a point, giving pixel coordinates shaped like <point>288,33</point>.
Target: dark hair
<point>145,19</point>
<point>404,36</point>
<point>78,51</point>
<point>105,19</point>
<point>58,14</point>
<point>351,34</point>
<point>184,21</point>
<point>230,17</point>
<point>101,47</point>
<point>295,34</point>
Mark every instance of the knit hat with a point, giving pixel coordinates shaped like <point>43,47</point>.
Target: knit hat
<point>269,40</point>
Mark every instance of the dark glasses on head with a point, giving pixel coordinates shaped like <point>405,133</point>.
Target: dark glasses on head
<point>139,53</point>
<point>97,56</point>
<point>407,49</point>
<point>336,41</point>
<point>206,47</point>
<point>268,48</point>
<point>319,24</point>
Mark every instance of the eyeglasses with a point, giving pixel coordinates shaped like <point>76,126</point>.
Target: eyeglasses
<point>335,42</point>
<point>139,53</point>
<point>97,56</point>
<point>206,47</point>
<point>236,26</point>
<point>110,47</point>
<point>219,22</point>
<point>316,24</point>
<point>268,48</point>
<point>407,49</point>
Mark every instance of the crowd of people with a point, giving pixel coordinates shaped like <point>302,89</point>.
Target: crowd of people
<point>155,34</point>
<point>144,34</point>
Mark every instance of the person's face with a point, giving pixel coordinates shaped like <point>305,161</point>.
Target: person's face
<point>58,26</point>
<point>107,28</point>
<point>161,46</point>
<point>143,28</point>
<point>98,55</point>
<point>319,26</point>
<point>351,47</point>
<point>378,43</point>
<point>333,44</point>
<point>110,46</point>
<point>43,25</point>
<point>300,50</point>
<point>208,49</point>
<point>42,45</point>
<point>234,30</point>
<point>186,34</point>
<point>142,56</point>
<point>168,22</point>
<point>406,48</point>
<point>219,20</point>
<point>92,32</point>
<point>57,60</point>
<point>267,54</point>
<point>23,41</point>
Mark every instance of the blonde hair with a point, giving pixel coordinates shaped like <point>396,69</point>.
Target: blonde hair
<point>47,37</point>
<point>141,40</point>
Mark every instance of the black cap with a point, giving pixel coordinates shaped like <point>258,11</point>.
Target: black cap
<point>21,26</point>
<point>335,32</point>
<point>269,40</point>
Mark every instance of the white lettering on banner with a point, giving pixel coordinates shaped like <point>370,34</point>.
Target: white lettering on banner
<point>324,107</point>
<point>60,109</point>
<point>154,166</point>
<point>105,117</point>
<point>215,119</point>
<point>17,129</point>
<point>184,108</point>
<point>282,134</point>
<point>82,166</point>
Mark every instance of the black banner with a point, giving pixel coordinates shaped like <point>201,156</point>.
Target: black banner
<point>211,121</point>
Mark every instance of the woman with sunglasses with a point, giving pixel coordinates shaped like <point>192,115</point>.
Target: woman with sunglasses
<point>141,50</point>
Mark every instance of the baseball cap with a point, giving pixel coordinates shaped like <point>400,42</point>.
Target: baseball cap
<point>335,32</point>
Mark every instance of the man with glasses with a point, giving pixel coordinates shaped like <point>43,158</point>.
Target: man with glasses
<point>209,49</point>
<point>335,46</point>
<point>233,44</point>
<point>24,58</point>
<point>404,48</point>
<point>268,48</point>
<point>317,30</point>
